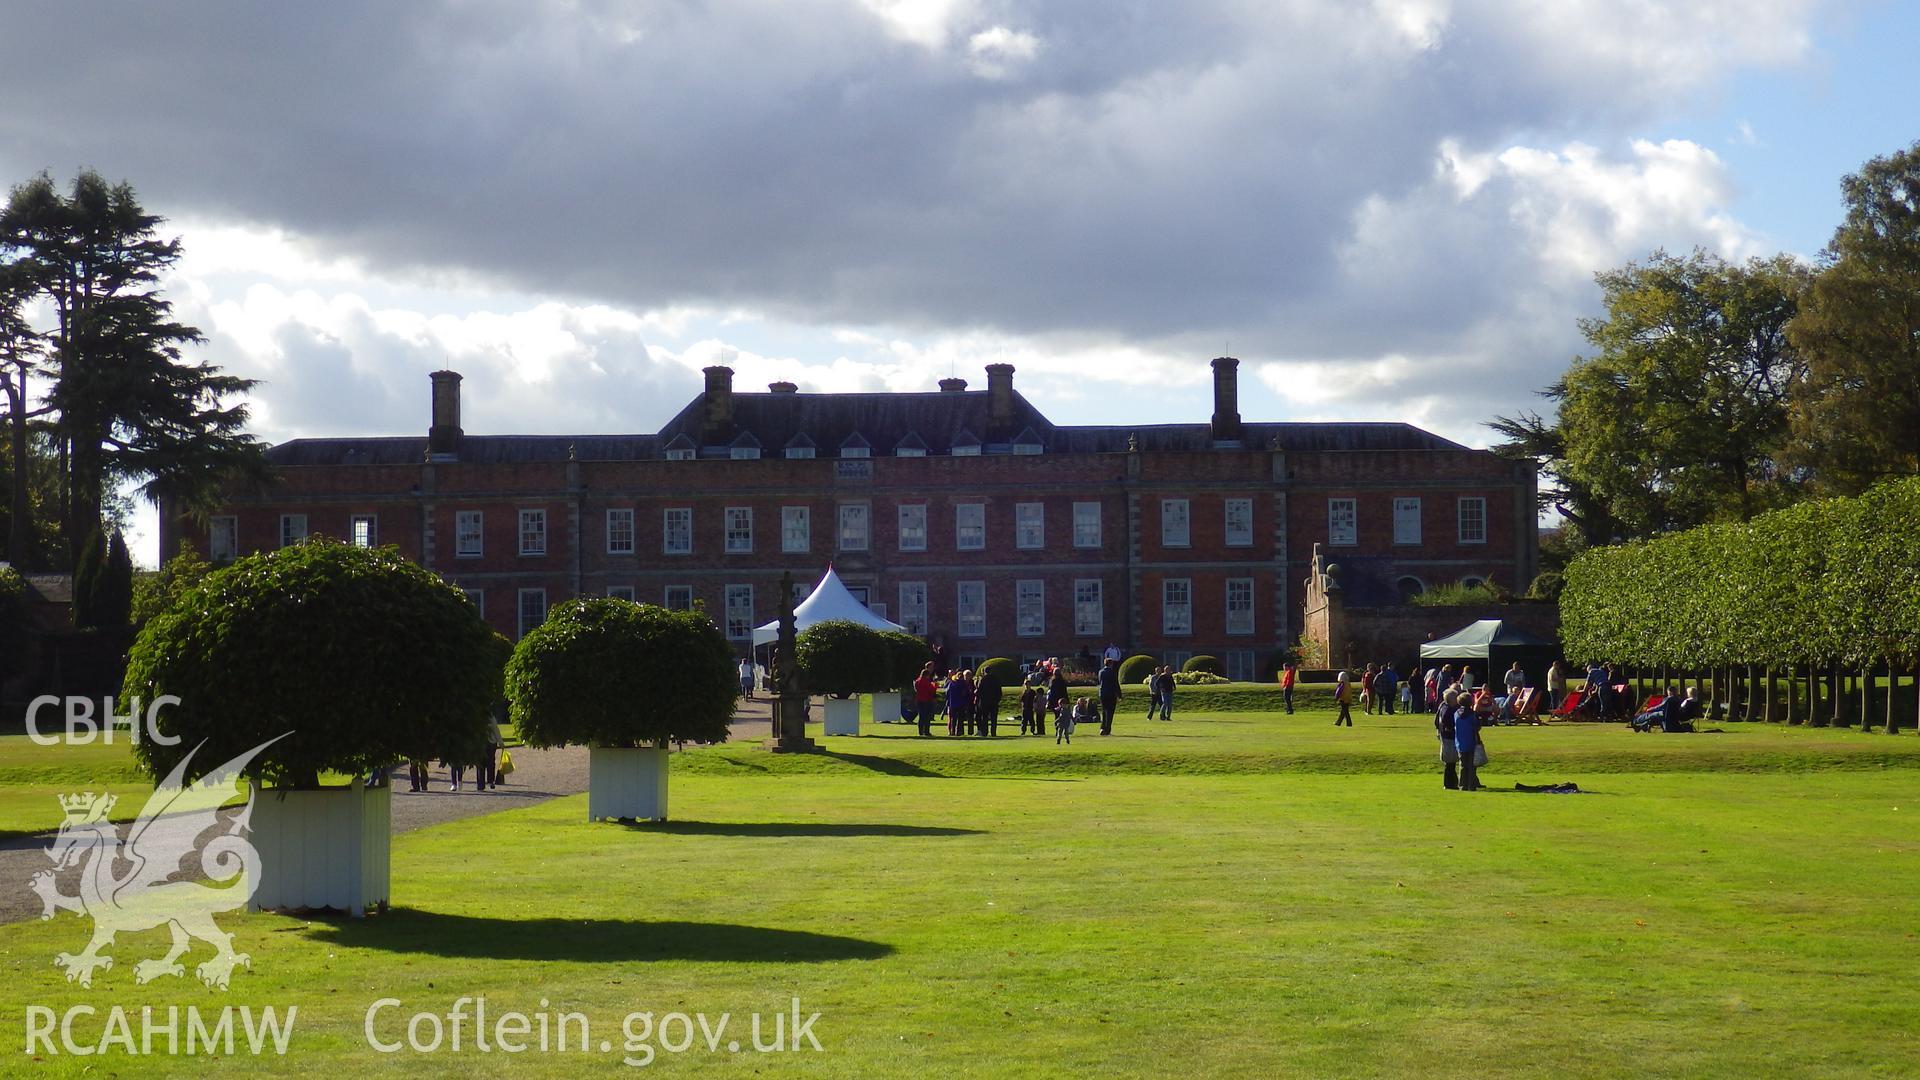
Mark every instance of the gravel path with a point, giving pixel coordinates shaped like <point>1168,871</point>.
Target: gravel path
<point>538,775</point>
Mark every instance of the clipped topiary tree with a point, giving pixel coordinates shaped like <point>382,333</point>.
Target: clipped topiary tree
<point>317,658</point>
<point>1135,669</point>
<point>1000,671</point>
<point>156,592</point>
<point>1211,665</point>
<point>909,654</point>
<point>625,680</point>
<point>841,659</point>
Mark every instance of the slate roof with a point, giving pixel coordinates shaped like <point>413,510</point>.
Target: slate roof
<point>941,420</point>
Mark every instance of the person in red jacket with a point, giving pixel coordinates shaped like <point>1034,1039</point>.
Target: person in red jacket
<point>925,691</point>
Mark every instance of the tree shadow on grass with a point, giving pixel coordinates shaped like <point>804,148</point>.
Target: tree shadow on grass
<point>796,828</point>
<point>887,765</point>
<point>433,933</point>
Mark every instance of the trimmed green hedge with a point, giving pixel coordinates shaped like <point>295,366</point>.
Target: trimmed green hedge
<point>1830,582</point>
<point>1209,664</point>
<point>1136,668</point>
<point>1000,670</point>
<point>1226,698</point>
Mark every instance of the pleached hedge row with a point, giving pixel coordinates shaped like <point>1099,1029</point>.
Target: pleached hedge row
<point>1810,614</point>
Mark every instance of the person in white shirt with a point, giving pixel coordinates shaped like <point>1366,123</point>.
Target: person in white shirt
<point>746,677</point>
<point>1112,653</point>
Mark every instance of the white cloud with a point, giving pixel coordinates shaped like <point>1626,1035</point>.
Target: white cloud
<point>998,52</point>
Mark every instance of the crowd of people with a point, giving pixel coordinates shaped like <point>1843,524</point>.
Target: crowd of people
<point>971,704</point>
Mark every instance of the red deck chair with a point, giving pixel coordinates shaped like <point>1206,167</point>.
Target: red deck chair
<point>1526,705</point>
<point>1570,703</point>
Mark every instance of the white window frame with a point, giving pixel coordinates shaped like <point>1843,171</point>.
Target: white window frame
<point>620,531</point>
<point>223,538</point>
<point>676,530</point>
<point>855,537</point>
<point>1237,534</point>
<point>1406,520</point>
<point>1089,607</point>
<point>1086,525</point>
<point>293,529</point>
<point>683,454</point>
<point>969,450</point>
<point>913,526</point>
<point>799,453</point>
<point>1176,523</point>
<point>913,607</point>
<point>856,451</point>
<point>533,532</point>
<point>1029,526</point>
<point>667,597</point>
<point>743,453</point>
<point>1240,612</point>
<point>1343,522</point>
<point>970,609</point>
<point>469,525</point>
<point>1182,626</point>
<point>738,618</point>
<point>620,592</point>
<point>373,530</point>
<point>796,530</point>
<point>970,526</point>
<point>1030,607</point>
<point>1479,504</point>
<point>739,530</point>
<point>520,609</point>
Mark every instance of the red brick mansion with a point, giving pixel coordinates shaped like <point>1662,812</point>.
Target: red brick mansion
<point>965,515</point>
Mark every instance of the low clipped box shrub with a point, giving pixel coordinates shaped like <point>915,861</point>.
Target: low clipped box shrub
<point>612,673</point>
<point>360,658</point>
<point>1203,663</point>
<point>1198,678</point>
<point>1135,668</point>
<point>840,658</point>
<point>1000,671</point>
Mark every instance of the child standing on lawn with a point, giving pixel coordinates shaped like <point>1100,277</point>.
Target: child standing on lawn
<point>1064,722</point>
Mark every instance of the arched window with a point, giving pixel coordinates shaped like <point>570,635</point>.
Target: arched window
<point>1410,587</point>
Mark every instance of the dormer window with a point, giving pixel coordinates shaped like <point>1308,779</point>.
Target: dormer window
<point>744,448</point>
<point>682,449</point>
<point>910,446</point>
<point>965,444</point>
<point>972,450</point>
<point>856,446</point>
<point>680,455</point>
<point>799,453</point>
<point>1027,442</point>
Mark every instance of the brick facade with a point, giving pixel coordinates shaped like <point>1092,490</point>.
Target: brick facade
<point>1251,516</point>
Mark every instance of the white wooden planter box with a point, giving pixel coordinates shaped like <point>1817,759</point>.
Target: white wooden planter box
<point>324,847</point>
<point>843,716</point>
<point>886,708</point>
<point>626,782</point>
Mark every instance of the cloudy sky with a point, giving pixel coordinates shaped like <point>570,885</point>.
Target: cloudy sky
<point>1388,210</point>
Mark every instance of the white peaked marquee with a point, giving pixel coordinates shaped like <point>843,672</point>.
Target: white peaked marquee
<point>829,600</point>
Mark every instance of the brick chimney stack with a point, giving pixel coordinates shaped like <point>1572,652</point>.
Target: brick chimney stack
<point>444,436</point>
<point>1226,400</point>
<point>719,399</point>
<point>952,386</point>
<point>999,402</point>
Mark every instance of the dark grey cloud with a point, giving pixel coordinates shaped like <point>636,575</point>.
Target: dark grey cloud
<point>1154,172</point>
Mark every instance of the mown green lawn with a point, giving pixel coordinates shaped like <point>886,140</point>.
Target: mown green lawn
<point>1230,895</point>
